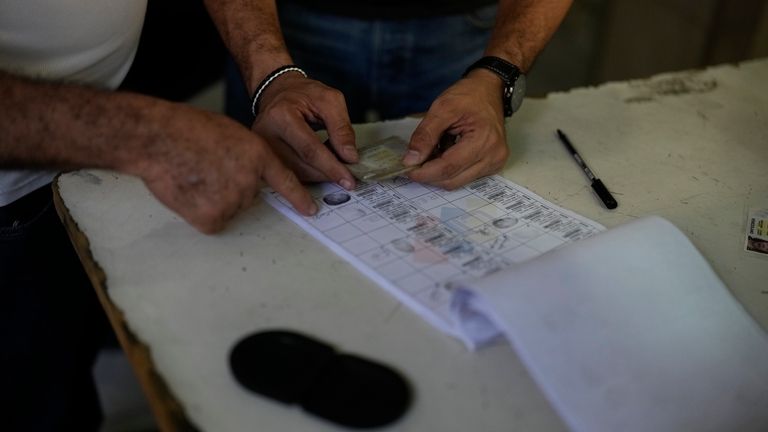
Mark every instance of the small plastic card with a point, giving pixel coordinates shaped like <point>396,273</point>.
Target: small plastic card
<point>380,160</point>
<point>757,231</point>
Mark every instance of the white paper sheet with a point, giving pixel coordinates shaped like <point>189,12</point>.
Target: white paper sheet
<point>631,330</point>
<point>415,240</point>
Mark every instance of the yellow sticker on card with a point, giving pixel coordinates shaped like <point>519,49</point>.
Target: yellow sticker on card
<point>757,231</point>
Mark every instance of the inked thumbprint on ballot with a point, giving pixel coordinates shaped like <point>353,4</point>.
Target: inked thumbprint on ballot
<point>403,245</point>
<point>336,198</point>
<point>505,222</point>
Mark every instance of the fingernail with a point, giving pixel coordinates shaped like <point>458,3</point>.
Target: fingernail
<point>346,184</point>
<point>411,158</point>
<point>313,208</point>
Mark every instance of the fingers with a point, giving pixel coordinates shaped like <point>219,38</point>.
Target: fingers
<point>304,171</point>
<point>311,151</point>
<point>216,221</point>
<point>449,177</point>
<point>469,159</point>
<point>221,204</point>
<point>287,118</point>
<point>450,164</point>
<point>471,111</point>
<point>333,112</point>
<point>284,182</point>
<point>209,211</point>
<point>206,168</point>
<point>427,135</point>
<point>206,213</point>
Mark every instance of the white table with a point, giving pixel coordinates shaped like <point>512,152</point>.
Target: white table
<point>691,147</point>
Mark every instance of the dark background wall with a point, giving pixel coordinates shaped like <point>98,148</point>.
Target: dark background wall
<point>599,41</point>
<point>610,40</point>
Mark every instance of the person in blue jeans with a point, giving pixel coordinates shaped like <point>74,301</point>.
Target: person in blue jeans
<point>392,67</point>
<point>393,58</point>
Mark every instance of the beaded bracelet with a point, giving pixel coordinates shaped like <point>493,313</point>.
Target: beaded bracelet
<point>268,80</point>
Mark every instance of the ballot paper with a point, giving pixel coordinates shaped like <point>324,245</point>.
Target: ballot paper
<point>623,330</point>
<point>417,241</point>
<point>629,330</point>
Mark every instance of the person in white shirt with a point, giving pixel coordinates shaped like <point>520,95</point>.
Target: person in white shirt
<point>59,61</point>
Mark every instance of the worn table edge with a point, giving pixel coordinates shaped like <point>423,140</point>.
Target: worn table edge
<point>168,412</point>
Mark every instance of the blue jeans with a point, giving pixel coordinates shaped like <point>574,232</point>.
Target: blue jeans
<point>51,323</point>
<point>393,67</point>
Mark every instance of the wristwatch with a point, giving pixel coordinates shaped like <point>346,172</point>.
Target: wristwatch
<point>514,81</point>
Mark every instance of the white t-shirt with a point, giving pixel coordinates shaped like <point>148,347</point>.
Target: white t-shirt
<point>81,41</point>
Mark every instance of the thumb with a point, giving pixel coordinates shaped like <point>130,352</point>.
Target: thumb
<point>426,137</point>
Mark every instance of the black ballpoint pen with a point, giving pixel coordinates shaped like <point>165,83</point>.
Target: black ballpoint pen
<point>597,184</point>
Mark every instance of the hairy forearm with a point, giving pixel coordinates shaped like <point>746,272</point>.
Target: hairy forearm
<point>64,126</point>
<point>251,31</point>
<point>523,28</point>
<point>202,165</point>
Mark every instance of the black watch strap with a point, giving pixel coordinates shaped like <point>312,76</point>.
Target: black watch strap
<point>508,72</point>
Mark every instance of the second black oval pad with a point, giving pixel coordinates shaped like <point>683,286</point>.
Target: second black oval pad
<point>345,389</point>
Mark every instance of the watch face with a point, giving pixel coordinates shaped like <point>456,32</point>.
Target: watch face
<point>518,93</point>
